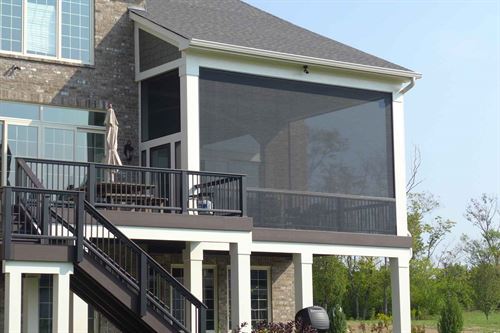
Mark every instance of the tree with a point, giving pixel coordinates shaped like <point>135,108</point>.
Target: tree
<point>483,214</point>
<point>338,323</point>
<point>450,320</point>
<point>329,281</point>
<point>485,282</point>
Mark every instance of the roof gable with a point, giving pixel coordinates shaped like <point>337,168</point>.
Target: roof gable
<point>234,22</point>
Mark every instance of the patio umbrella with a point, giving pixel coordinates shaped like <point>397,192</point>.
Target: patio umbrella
<point>111,157</point>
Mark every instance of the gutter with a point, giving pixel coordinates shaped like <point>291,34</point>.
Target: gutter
<point>407,87</point>
<point>243,50</point>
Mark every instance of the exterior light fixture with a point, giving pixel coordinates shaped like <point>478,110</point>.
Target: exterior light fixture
<point>306,69</point>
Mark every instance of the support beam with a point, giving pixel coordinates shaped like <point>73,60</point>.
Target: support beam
<point>302,263</point>
<point>12,312</point>
<point>240,285</point>
<point>190,118</point>
<point>61,298</point>
<point>80,311</point>
<point>193,277</point>
<point>400,284</point>
<point>30,303</point>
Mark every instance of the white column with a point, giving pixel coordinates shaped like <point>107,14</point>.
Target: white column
<point>400,284</point>
<point>240,285</point>
<point>302,263</point>
<point>30,303</point>
<point>190,118</point>
<point>80,311</point>
<point>12,312</point>
<point>193,277</point>
<point>398,129</point>
<point>61,297</point>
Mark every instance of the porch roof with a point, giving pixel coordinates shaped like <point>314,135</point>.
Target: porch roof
<point>235,23</point>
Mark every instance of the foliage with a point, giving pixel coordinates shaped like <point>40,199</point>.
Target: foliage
<point>418,329</point>
<point>485,282</point>
<point>483,214</point>
<point>278,327</point>
<point>451,320</point>
<point>338,323</point>
<point>329,281</point>
<point>385,319</point>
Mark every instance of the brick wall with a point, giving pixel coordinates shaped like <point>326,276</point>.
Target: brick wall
<point>109,80</point>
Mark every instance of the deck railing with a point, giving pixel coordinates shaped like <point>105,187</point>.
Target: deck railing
<point>33,214</point>
<point>286,209</point>
<point>143,189</point>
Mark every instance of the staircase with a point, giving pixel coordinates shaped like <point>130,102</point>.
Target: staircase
<point>111,272</point>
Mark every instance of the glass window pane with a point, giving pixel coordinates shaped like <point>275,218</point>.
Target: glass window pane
<point>22,142</point>
<point>59,144</point>
<point>73,116</point>
<point>89,147</point>
<point>19,110</point>
<point>10,25</point>
<point>75,31</point>
<point>41,27</point>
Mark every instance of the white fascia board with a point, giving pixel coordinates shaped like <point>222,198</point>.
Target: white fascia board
<point>326,249</point>
<point>159,31</point>
<point>37,267</point>
<point>304,60</point>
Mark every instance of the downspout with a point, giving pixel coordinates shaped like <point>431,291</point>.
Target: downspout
<point>407,87</point>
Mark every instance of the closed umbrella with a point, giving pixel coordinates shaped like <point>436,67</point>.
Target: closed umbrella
<point>111,157</point>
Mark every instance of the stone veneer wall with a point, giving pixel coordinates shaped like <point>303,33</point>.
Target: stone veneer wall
<point>109,80</point>
<point>282,277</point>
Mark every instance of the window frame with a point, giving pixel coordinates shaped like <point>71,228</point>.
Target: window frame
<point>58,56</point>
<point>269,293</point>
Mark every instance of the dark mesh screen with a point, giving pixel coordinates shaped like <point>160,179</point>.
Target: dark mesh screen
<point>160,106</point>
<point>297,136</point>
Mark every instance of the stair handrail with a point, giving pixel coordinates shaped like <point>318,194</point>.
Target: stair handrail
<point>142,284</point>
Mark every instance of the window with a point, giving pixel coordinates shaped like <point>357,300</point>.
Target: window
<point>39,33</point>
<point>45,304</point>
<point>209,296</point>
<point>260,295</point>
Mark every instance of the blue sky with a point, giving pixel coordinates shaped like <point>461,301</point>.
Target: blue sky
<point>453,113</point>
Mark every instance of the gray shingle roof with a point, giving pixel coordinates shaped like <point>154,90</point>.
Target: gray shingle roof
<point>237,23</point>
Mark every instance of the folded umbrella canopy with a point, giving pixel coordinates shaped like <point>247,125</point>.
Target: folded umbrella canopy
<point>111,155</point>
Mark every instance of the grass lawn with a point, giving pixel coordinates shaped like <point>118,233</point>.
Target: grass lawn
<point>474,321</point>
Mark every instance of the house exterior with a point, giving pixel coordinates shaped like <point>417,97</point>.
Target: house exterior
<point>257,145</point>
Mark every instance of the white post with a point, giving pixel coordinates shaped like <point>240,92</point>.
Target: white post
<point>240,285</point>
<point>193,277</point>
<point>12,312</point>
<point>61,295</point>
<point>302,263</point>
<point>398,129</point>
<point>190,118</point>
<point>80,311</point>
<point>400,283</point>
<point>30,304</point>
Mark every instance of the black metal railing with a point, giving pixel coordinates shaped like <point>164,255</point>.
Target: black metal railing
<point>39,216</point>
<point>143,189</point>
<point>286,209</point>
<point>50,216</point>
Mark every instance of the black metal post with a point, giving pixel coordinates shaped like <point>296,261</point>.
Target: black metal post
<point>79,224</point>
<point>243,195</point>
<point>45,217</point>
<point>184,192</point>
<point>143,284</point>
<point>91,183</point>
<point>7,222</point>
<point>202,319</point>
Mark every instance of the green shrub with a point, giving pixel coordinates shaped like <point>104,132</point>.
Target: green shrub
<point>338,323</point>
<point>450,320</point>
